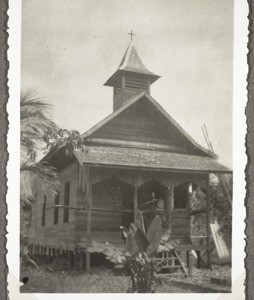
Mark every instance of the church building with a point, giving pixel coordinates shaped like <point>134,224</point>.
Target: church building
<point>135,157</point>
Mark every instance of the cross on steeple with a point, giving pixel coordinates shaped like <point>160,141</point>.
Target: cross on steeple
<point>131,34</point>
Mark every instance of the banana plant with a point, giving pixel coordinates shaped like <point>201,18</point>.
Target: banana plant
<point>140,249</point>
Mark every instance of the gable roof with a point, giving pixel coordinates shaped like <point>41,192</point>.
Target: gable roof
<point>156,106</point>
<point>131,62</point>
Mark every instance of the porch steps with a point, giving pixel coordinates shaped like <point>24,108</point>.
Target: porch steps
<point>170,264</point>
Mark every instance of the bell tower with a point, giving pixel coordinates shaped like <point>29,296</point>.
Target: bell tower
<point>131,78</point>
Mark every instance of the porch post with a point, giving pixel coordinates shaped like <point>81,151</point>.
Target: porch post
<point>88,196</point>
<point>135,198</point>
<point>208,229</point>
<point>169,205</point>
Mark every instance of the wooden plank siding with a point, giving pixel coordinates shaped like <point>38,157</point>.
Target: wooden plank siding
<point>61,234</point>
<point>112,189</point>
<point>181,223</point>
<point>138,123</point>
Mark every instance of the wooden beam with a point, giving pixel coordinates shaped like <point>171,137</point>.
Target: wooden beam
<point>94,209</point>
<point>135,198</point>
<point>108,209</point>
<point>166,170</point>
<point>169,205</point>
<point>208,229</point>
<point>135,204</point>
<point>134,144</point>
<point>197,212</point>
<point>88,196</point>
<point>190,263</point>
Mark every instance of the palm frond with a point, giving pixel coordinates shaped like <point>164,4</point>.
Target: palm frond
<point>35,124</point>
<point>30,100</point>
<point>35,178</point>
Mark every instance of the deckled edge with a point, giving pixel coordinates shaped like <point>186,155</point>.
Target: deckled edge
<point>4,92</point>
<point>249,170</point>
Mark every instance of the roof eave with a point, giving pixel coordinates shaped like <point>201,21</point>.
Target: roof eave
<point>212,171</point>
<point>111,81</point>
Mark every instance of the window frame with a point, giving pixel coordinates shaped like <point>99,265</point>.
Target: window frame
<point>43,217</point>
<point>56,209</point>
<point>67,189</point>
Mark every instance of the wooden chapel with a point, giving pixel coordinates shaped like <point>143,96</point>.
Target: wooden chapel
<point>135,155</point>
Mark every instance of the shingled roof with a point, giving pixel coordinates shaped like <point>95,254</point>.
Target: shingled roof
<point>148,159</point>
<point>131,62</point>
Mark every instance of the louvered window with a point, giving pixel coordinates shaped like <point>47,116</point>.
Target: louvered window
<point>136,83</point>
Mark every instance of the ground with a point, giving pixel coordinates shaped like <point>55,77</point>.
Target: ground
<point>101,280</point>
<point>53,277</point>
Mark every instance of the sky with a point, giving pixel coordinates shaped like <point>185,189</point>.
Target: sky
<point>71,47</point>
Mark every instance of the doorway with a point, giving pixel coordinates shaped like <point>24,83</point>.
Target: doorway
<point>150,194</point>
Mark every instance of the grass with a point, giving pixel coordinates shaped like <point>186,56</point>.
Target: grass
<point>54,277</point>
<point>100,280</point>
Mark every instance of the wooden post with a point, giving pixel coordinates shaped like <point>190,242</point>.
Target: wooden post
<point>81,260</point>
<point>189,263</point>
<point>135,199</point>
<point>75,260</point>
<point>208,229</point>
<point>169,205</point>
<point>198,259</point>
<point>88,196</point>
<point>71,260</point>
<point>135,204</point>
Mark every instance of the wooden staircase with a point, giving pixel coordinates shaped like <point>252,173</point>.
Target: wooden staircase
<point>169,264</point>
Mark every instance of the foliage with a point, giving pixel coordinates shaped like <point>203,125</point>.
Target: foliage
<point>198,202</point>
<point>138,256</point>
<point>38,133</point>
<point>220,207</point>
<point>33,123</point>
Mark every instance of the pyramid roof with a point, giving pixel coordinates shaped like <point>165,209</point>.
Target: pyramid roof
<point>131,62</point>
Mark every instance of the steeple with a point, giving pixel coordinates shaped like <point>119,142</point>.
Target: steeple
<point>130,78</point>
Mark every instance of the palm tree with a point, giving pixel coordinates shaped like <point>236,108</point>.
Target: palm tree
<point>38,133</point>
<point>35,125</point>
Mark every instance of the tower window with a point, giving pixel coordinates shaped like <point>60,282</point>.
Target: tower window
<point>136,83</point>
<point>66,202</point>
<point>44,211</point>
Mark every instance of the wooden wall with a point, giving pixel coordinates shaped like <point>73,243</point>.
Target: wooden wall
<point>105,225</point>
<point>181,223</point>
<point>61,235</point>
<point>138,123</point>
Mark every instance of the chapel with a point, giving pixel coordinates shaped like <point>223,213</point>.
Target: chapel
<point>137,159</point>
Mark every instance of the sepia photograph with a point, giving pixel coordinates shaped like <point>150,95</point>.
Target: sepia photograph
<point>126,146</point>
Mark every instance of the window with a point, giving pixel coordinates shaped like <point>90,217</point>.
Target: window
<point>66,202</point>
<point>56,209</point>
<point>44,211</point>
